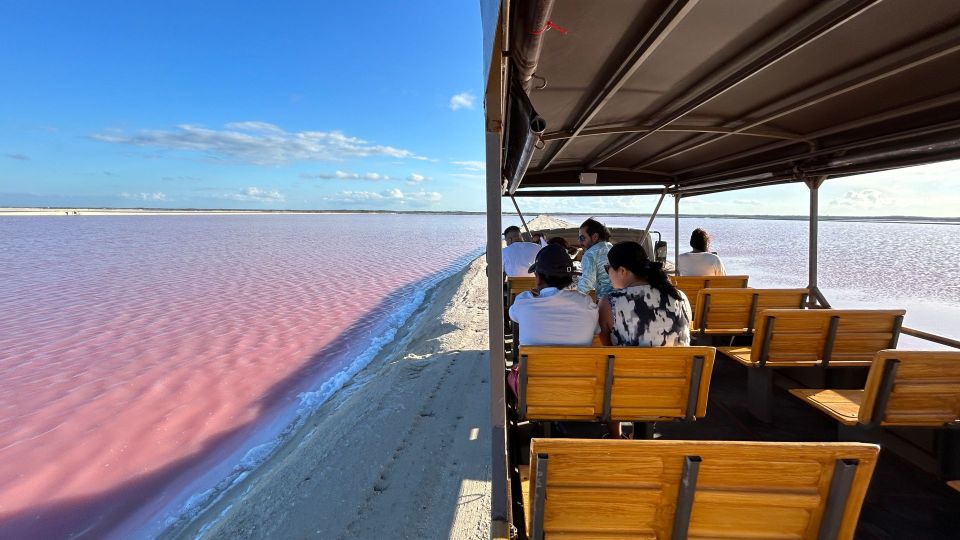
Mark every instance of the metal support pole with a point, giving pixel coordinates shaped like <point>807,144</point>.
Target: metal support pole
<point>646,231</point>
<point>519,213</point>
<point>814,185</point>
<point>676,234</point>
<point>499,503</point>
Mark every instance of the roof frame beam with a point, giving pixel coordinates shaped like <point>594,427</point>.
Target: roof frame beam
<point>588,192</point>
<point>822,20</point>
<point>880,68</point>
<point>665,24</point>
<point>875,141</point>
<point>676,128</point>
<point>939,101</point>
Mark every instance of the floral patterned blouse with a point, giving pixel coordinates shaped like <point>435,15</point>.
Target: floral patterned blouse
<point>644,317</point>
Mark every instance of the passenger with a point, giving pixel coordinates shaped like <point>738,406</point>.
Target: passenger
<point>644,309</point>
<point>518,255</point>
<point>559,315</point>
<point>595,240</point>
<point>700,261</point>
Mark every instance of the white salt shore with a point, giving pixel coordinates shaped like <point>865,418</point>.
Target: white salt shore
<point>402,451</point>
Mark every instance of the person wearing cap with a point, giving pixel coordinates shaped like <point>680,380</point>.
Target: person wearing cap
<point>595,240</point>
<point>559,315</point>
<point>518,255</point>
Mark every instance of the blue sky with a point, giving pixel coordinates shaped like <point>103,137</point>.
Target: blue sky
<point>298,105</point>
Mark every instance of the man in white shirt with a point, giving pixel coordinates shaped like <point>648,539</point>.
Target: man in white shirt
<point>700,261</point>
<point>518,255</point>
<point>559,315</point>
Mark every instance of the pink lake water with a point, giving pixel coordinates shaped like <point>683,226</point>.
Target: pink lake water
<point>147,362</point>
<point>136,352</point>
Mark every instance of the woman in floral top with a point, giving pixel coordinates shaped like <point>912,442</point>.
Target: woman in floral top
<point>644,309</point>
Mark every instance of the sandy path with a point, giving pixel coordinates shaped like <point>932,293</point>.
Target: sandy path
<point>401,452</point>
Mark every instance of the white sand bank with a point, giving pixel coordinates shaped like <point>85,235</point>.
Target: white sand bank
<point>548,222</point>
<point>403,451</point>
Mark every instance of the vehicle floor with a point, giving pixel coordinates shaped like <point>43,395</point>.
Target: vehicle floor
<point>903,501</point>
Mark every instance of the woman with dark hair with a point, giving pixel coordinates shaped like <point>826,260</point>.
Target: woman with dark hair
<point>644,309</point>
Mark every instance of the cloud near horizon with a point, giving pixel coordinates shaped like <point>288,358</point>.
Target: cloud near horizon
<point>343,175</point>
<point>389,196</point>
<point>463,100</point>
<point>864,199</point>
<point>157,196</point>
<point>259,143</point>
<point>254,194</point>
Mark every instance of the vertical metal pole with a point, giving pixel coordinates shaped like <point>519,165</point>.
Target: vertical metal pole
<point>499,504</point>
<point>676,234</point>
<point>814,185</point>
<point>519,213</point>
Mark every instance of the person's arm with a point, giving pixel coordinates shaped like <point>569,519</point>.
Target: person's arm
<point>721,271</point>
<point>588,279</point>
<point>606,320</point>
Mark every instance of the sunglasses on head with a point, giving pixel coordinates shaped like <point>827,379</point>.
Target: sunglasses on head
<point>606,268</point>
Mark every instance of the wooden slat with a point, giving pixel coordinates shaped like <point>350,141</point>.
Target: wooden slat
<point>800,335</point>
<point>567,383</point>
<point>926,390</point>
<point>842,405</point>
<point>729,309</point>
<point>691,285</point>
<point>627,489</point>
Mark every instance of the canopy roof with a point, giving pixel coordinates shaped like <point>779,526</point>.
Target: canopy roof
<point>706,96</point>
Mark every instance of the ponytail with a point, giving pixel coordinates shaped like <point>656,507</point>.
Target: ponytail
<point>632,256</point>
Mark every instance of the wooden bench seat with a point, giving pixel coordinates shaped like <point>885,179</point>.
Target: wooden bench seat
<point>733,311</point>
<point>904,388</point>
<point>691,285</point>
<point>642,384</point>
<point>805,338</point>
<point>699,489</point>
<point>917,389</point>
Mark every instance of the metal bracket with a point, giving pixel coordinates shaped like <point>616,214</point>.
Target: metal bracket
<point>685,492</point>
<point>883,394</point>
<point>897,325</point>
<point>539,497</point>
<point>843,473</point>
<point>608,389</point>
<point>694,391</point>
<point>753,312</point>
<point>828,343</point>
<point>522,397</point>
<point>765,344</point>
<point>705,311</point>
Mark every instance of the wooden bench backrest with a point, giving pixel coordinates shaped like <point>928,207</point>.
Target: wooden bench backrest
<point>691,285</point>
<point>647,384</point>
<point>633,489</point>
<point>925,388</point>
<point>836,336</point>
<point>519,284</point>
<point>734,311</point>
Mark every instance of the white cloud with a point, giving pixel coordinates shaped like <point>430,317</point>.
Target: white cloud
<point>388,196</point>
<point>748,202</point>
<point>157,196</point>
<point>254,194</point>
<point>864,199</point>
<point>415,179</point>
<point>463,100</point>
<point>259,143</point>
<point>475,166</point>
<point>342,175</point>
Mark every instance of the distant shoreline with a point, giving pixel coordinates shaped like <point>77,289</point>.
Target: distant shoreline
<point>64,211</point>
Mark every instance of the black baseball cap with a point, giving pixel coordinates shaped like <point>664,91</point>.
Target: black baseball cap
<point>552,260</point>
